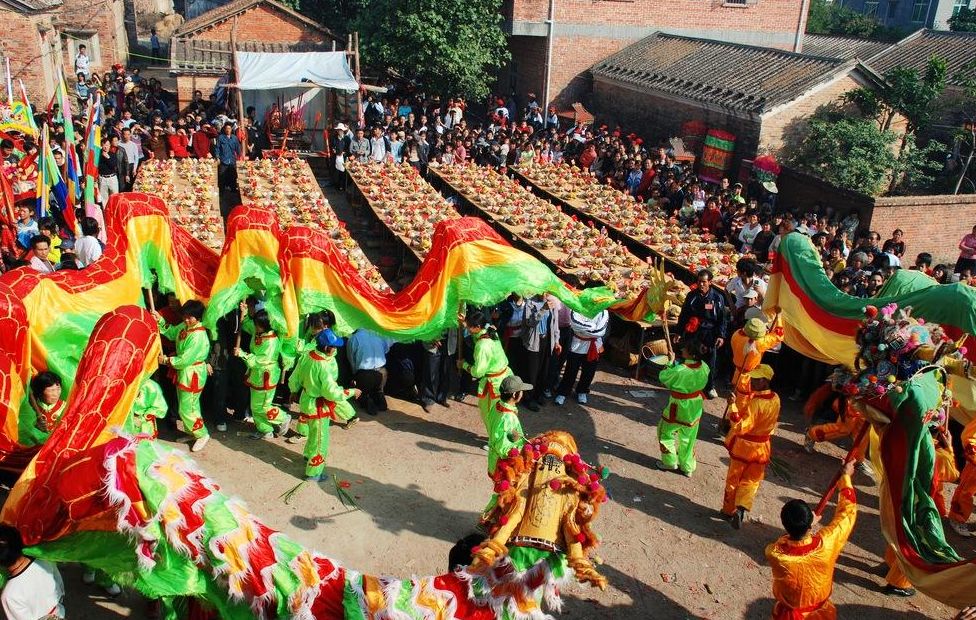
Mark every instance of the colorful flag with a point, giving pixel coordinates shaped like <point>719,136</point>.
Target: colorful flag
<point>48,180</point>
<point>72,163</point>
<point>93,150</point>
<point>22,109</point>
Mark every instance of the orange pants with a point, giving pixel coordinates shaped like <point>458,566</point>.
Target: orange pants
<point>895,577</point>
<point>849,427</point>
<point>741,485</point>
<point>962,499</point>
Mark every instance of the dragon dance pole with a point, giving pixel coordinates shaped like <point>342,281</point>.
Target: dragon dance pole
<point>847,459</point>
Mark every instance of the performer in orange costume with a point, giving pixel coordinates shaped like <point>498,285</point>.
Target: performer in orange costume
<point>803,563</point>
<point>962,499</point>
<point>848,424</point>
<point>749,444</point>
<point>748,346</point>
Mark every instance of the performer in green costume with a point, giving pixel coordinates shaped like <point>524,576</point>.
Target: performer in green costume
<point>314,324</point>
<point>504,427</point>
<point>680,418</point>
<point>149,406</point>
<point>322,399</point>
<point>490,365</point>
<point>189,366</point>
<point>263,374</point>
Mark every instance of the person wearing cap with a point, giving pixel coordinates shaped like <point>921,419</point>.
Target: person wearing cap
<point>504,428</point>
<point>803,562</point>
<point>322,399</point>
<point>189,366</point>
<point>264,362</point>
<point>748,346</point>
<point>678,429</point>
<point>749,445</point>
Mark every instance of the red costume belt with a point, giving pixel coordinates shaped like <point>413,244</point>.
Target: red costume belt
<point>194,386</point>
<point>323,409</point>
<point>673,411</point>
<point>684,396</point>
<point>782,611</point>
<point>495,375</point>
<point>267,383</point>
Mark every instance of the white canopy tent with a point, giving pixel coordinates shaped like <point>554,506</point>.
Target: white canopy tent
<point>294,80</point>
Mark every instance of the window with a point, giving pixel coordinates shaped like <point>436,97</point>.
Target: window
<point>892,9</point>
<point>959,5</point>
<point>920,10</point>
<point>871,9</point>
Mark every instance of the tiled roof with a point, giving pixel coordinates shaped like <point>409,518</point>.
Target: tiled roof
<point>236,7</point>
<point>741,78</point>
<point>205,56</point>
<point>914,51</point>
<point>31,6</point>
<point>842,47</point>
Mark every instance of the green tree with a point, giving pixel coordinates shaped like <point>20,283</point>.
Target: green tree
<point>830,18</point>
<point>847,151</point>
<point>337,15</point>
<point>966,135</point>
<point>963,21</point>
<point>907,93</point>
<point>450,46</point>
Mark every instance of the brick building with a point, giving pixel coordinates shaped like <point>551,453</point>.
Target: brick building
<point>575,34</point>
<point>759,94</point>
<point>31,42</point>
<point>200,50</point>
<point>100,26</point>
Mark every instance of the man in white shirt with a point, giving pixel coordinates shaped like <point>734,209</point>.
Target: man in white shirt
<point>87,247</point>
<point>82,62</point>
<point>747,279</point>
<point>34,590</point>
<point>584,352</point>
<point>378,146</point>
<point>132,153</point>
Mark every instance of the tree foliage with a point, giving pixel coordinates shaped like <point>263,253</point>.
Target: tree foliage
<point>826,17</point>
<point>849,152</point>
<point>963,21</point>
<point>449,46</point>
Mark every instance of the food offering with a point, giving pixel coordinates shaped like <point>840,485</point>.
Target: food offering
<point>289,189</point>
<point>578,248</point>
<point>189,187</point>
<point>409,206</point>
<point>645,223</point>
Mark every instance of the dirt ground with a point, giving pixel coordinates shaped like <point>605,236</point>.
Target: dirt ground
<point>420,482</point>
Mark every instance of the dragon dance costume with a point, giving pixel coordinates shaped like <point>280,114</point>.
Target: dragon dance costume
<point>264,363</point>
<point>190,370</point>
<point>149,406</point>
<point>803,570</point>
<point>749,449</point>
<point>322,401</point>
<point>490,368</point>
<point>681,417</point>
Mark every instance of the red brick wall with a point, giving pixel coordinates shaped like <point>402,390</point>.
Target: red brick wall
<point>186,84</point>
<point>764,15</point>
<point>790,120</point>
<point>107,19</point>
<point>932,224</point>
<point>571,58</point>
<point>528,68</point>
<point>31,60</point>
<point>263,23</point>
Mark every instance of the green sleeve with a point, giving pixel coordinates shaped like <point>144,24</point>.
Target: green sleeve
<point>482,358</point>
<point>297,378</point>
<point>248,325</point>
<point>331,390</point>
<point>507,434</point>
<point>170,332</point>
<point>263,355</point>
<point>196,349</point>
<point>155,403</point>
<point>670,375</point>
